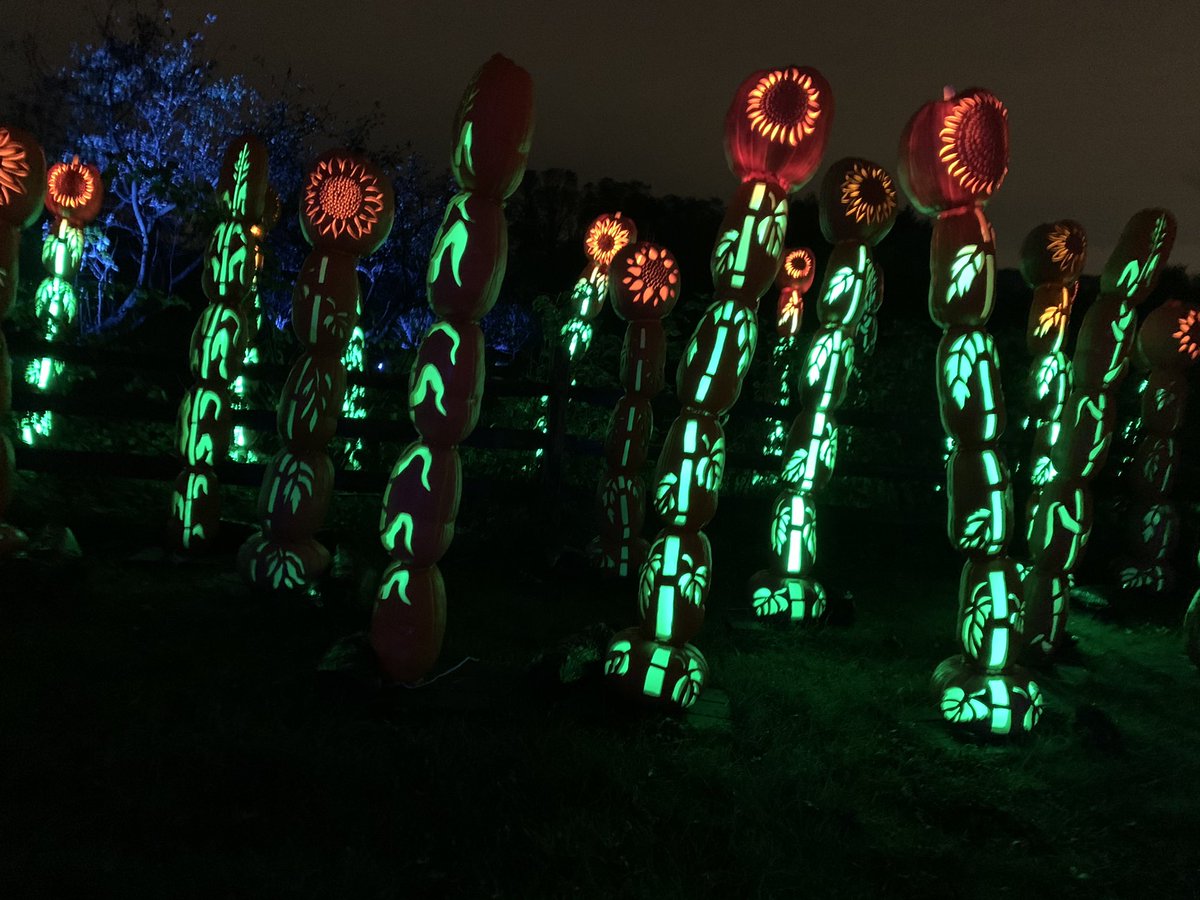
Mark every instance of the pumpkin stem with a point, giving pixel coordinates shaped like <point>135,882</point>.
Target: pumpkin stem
<point>948,92</point>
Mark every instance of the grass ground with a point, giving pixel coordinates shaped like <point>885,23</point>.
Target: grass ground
<point>166,733</point>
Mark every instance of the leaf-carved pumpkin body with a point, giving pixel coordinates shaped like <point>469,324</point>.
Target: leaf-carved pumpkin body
<point>218,344</point>
<point>970,396</point>
<point>989,705</point>
<point>311,401</point>
<point>325,300</point>
<point>493,129</point>
<point>980,502</point>
<point>445,386</point>
<point>468,260</point>
<point>643,358</point>
<point>628,437</point>
<point>962,266</point>
<point>660,676</point>
<point>673,586</point>
<point>203,426</point>
<point>622,504</point>
<point>991,612</point>
<point>690,469</point>
<point>420,504</point>
<point>747,255</point>
<point>409,621</point>
<point>271,565</point>
<point>295,494</point>
<point>1060,524</point>
<point>717,357</point>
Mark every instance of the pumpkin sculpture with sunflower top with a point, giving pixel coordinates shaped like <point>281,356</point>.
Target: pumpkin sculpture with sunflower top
<point>1060,516</point>
<point>795,277</point>
<point>608,235</point>
<point>775,134</point>
<point>346,212</point>
<point>858,208</point>
<point>492,133</point>
<point>74,193</point>
<point>22,187</point>
<point>953,157</point>
<point>643,285</point>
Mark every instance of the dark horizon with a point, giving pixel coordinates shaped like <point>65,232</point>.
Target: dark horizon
<point>1091,100</point>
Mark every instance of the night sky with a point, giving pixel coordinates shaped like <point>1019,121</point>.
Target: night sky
<point>1104,106</point>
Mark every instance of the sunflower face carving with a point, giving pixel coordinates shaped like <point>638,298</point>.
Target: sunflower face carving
<point>347,204</point>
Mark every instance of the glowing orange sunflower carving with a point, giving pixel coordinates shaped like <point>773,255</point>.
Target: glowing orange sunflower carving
<point>74,191</point>
<point>798,270</point>
<point>954,151</point>
<point>1067,246</point>
<point>22,177</point>
<point>645,282</point>
<point>1185,333</point>
<point>347,204</point>
<point>868,194</point>
<point>778,124</point>
<point>975,143</point>
<point>607,236</point>
<point>14,167</point>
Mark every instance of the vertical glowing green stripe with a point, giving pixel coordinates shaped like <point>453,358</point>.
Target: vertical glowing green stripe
<point>999,590</point>
<point>653,685</point>
<point>665,620</point>
<point>998,529</point>
<point>685,486</point>
<point>998,657</point>
<point>714,361</point>
<point>1001,714</point>
<point>991,468</point>
<point>671,556</point>
<point>794,545</point>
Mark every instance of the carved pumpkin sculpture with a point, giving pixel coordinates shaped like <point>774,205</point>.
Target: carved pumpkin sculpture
<point>217,347</point>
<point>607,236</point>
<point>953,157</point>
<point>1061,511</point>
<point>1169,343</point>
<point>22,188</point>
<point>858,208</point>
<point>794,279</point>
<point>775,134</point>
<point>643,284</point>
<point>346,211</point>
<point>492,133</point>
<point>74,193</point>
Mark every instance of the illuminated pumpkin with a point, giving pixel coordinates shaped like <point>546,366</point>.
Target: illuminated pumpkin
<point>962,268</point>
<point>469,257</point>
<point>295,494</point>
<point>825,376</point>
<point>622,504</point>
<point>1170,336</point>
<point>777,126</point>
<point>311,402</point>
<point>1163,402</point>
<point>655,674</point>
<point>749,248</point>
<point>608,235</point>
<point>203,426</point>
<point>810,451</point>
<point>857,202</point>
<point>797,270</point>
<point>643,282</point>
<point>643,358</point>
<point>988,705</point>
<point>325,300</point>
<point>1105,338</point>
<point>846,293</point>
<point>970,396</point>
<point>493,129</point>
<point>346,204</point>
<point>628,436</point>
<point>242,188</point>
<point>716,359</point>
<point>196,509</point>
<point>980,507</point>
<point>690,467</point>
<point>420,504</point>
<point>673,585</point>
<point>1152,532</point>
<point>1059,524</point>
<point>218,344</point>
<point>1054,252</point>
<point>409,621</point>
<point>1087,433</point>
<point>954,151</point>
<point>272,565</point>
<point>22,177</point>
<point>74,191</point>
<point>445,386</point>
<point>1140,256</point>
<point>783,598</point>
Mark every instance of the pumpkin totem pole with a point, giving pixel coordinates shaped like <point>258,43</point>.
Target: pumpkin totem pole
<point>22,187</point>
<point>1061,512</point>
<point>643,285</point>
<point>775,133</point>
<point>953,157</point>
<point>217,347</point>
<point>608,234</point>
<point>346,212</point>
<point>492,133</point>
<point>794,279</point>
<point>1167,345</point>
<point>1052,258</point>
<point>858,208</point>
<point>74,192</point>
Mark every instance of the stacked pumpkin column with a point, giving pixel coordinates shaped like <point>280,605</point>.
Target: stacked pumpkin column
<point>1061,512</point>
<point>953,156</point>
<point>346,212</point>
<point>607,236</point>
<point>217,347</point>
<point>492,133</point>
<point>794,279</point>
<point>1052,258</point>
<point>22,187</point>
<point>858,208</point>
<point>1167,345</point>
<point>74,193</point>
<point>775,134</point>
<point>643,285</point>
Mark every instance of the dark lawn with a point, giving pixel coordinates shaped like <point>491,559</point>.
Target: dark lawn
<point>166,734</point>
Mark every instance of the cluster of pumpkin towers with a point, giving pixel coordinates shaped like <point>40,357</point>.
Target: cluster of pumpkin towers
<point>953,158</point>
